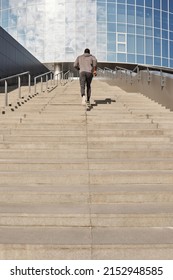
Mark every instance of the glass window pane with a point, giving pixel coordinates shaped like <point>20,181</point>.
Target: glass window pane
<point>171,49</point>
<point>157,4</point>
<point>121,57</point>
<point>5,19</point>
<point>111,8</point>
<point>171,35</point>
<point>165,34</point>
<point>101,26</point>
<point>130,29</point>
<point>111,37</point>
<point>164,62</point>
<point>149,60</point>
<point>157,19</point>
<point>140,30</point>
<point>149,31</point>
<point>121,13</point>
<point>171,21</point>
<point>157,32</point>
<point>171,6</point>
<point>101,56</point>
<point>130,43</point>
<point>131,14</point>
<point>131,58</point>
<point>157,47</point>
<point>140,59</point>
<point>140,44</point>
<point>111,18</point>
<point>5,4</point>
<point>157,61</point>
<point>148,17</point>
<point>149,46</point>
<point>121,47</point>
<point>148,3</point>
<point>130,1</point>
<point>111,27</point>
<point>121,1</point>
<point>140,2</point>
<point>164,5</point>
<point>140,15</point>
<point>111,47</point>
<point>121,38</point>
<point>111,57</point>
<point>101,11</point>
<point>121,28</point>
<point>164,48</point>
<point>164,20</point>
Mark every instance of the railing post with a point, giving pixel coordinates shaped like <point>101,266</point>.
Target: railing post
<point>162,79</point>
<point>41,84</point>
<point>29,82</point>
<point>138,74</point>
<point>35,84</point>
<point>149,75</point>
<point>6,93</point>
<point>46,82</point>
<point>51,78</point>
<point>19,86</point>
<point>131,78</point>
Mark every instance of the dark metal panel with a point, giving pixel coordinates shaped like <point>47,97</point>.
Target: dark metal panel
<point>14,58</point>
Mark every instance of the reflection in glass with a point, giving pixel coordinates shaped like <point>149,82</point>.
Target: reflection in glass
<point>122,30</point>
<point>149,46</point>
<point>121,13</point>
<point>131,14</point>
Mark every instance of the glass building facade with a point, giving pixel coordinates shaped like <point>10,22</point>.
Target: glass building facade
<point>123,31</point>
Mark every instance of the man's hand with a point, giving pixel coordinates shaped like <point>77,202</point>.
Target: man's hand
<point>95,73</point>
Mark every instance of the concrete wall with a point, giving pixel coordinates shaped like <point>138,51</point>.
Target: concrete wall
<point>14,58</point>
<point>149,86</point>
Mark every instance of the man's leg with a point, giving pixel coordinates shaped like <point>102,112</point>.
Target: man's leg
<point>82,79</point>
<point>89,77</point>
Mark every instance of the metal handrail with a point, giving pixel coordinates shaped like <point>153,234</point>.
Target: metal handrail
<point>41,78</point>
<point>58,74</point>
<point>109,69</point>
<point>129,73</point>
<point>66,76</point>
<point>19,84</point>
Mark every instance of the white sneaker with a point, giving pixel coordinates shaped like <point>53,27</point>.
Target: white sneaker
<point>83,100</point>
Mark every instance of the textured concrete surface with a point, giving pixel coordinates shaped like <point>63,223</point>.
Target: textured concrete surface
<point>78,184</point>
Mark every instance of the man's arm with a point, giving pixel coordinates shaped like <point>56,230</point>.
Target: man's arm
<point>94,66</point>
<point>76,64</point>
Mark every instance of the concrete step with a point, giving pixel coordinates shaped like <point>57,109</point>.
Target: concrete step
<point>44,153</point>
<point>124,177</point>
<point>85,164</point>
<point>59,145</point>
<point>124,153</point>
<point>77,138</point>
<point>106,196</point>
<point>129,145</point>
<point>51,177</point>
<point>84,177</point>
<point>86,220</point>
<point>79,217</point>
<point>98,182</point>
<point>74,243</point>
<point>131,164</point>
<point>69,131</point>
<point>52,235</point>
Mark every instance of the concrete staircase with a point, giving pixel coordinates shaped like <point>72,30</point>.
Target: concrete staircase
<point>78,184</point>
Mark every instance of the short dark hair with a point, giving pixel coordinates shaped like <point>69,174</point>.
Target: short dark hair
<point>86,51</point>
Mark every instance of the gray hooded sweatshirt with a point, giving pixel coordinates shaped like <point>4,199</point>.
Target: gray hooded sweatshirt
<point>85,62</point>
